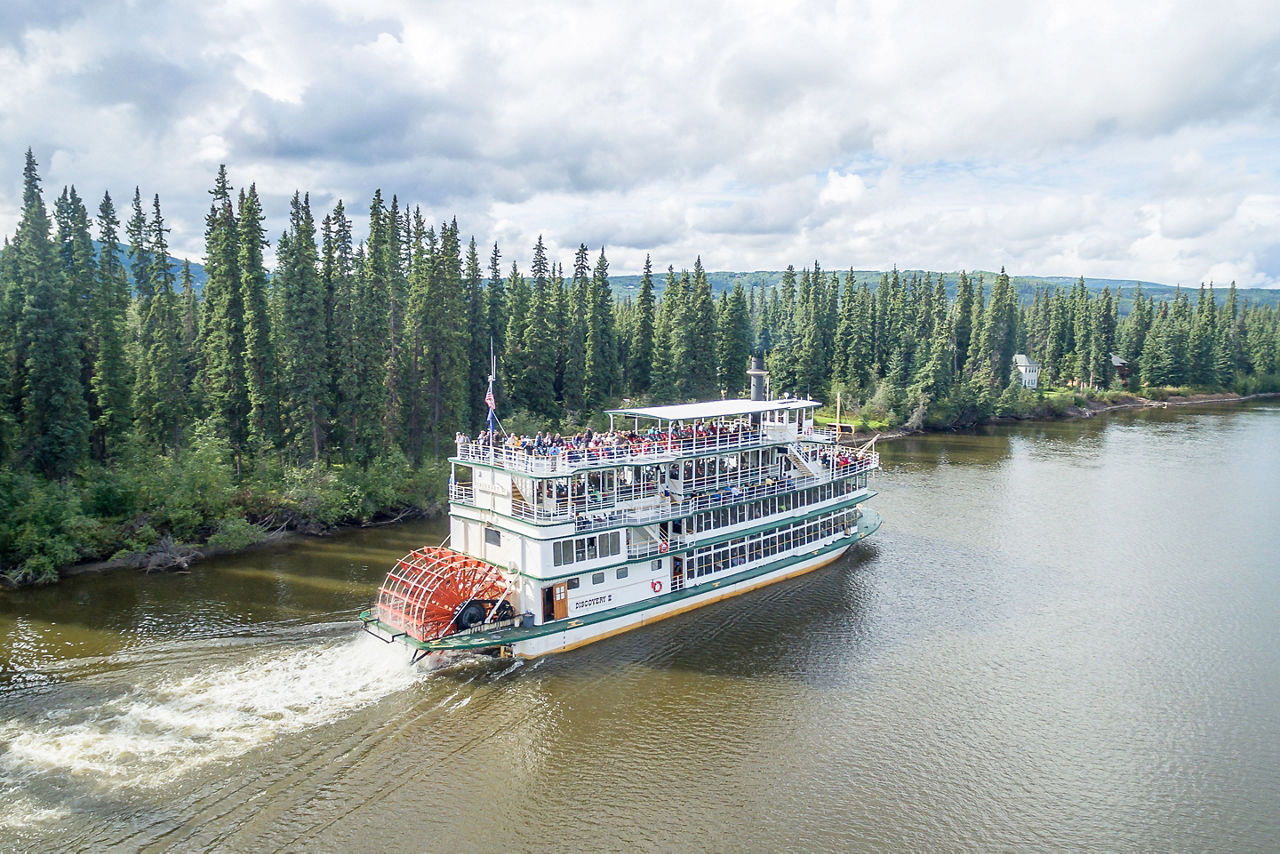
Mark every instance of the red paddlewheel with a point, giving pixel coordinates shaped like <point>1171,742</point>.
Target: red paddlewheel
<point>433,592</point>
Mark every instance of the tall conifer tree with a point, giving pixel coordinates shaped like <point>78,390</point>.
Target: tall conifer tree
<point>304,376</point>
<point>641,351</point>
<point>55,418</point>
<point>259,357</point>
<point>111,381</point>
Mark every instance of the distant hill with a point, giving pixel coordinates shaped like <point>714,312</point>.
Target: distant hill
<point>198,276</point>
<point>721,281</point>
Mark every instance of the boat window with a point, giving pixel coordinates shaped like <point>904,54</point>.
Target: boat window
<point>580,549</point>
<point>557,556</point>
<point>656,566</point>
<point>622,572</point>
<point>572,584</point>
<point>591,548</point>
<point>493,536</point>
<point>597,578</point>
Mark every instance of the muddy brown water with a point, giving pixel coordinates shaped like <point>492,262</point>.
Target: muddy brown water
<point>1064,636</point>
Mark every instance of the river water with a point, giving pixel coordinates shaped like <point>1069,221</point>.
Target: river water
<point>1064,636</point>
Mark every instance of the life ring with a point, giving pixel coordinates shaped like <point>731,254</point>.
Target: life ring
<point>656,585</point>
<point>662,547</point>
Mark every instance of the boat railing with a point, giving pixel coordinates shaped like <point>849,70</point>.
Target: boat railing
<point>738,476</point>
<point>656,548</point>
<point>597,516</point>
<point>563,509</point>
<point>721,498</point>
<point>565,459</point>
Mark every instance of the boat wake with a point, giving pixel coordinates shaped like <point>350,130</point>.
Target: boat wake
<point>147,735</point>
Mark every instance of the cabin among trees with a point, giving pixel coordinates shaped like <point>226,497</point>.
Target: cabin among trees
<point>1028,371</point>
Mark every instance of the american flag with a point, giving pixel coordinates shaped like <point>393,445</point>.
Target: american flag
<point>488,397</point>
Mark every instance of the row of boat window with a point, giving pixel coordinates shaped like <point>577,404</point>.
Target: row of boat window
<point>565,552</point>
<point>724,516</point>
<point>735,553</point>
<point>598,577</point>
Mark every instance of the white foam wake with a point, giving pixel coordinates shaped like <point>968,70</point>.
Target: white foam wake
<point>152,734</point>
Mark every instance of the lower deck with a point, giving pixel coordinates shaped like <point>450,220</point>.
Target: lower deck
<point>555,635</point>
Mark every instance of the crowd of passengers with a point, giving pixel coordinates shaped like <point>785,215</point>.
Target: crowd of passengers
<point>590,444</point>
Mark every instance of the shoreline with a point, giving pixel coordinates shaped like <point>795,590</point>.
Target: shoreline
<point>1090,410</point>
<point>179,557</point>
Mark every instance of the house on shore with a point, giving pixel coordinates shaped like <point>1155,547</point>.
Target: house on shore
<point>1121,367</point>
<point>1028,371</point>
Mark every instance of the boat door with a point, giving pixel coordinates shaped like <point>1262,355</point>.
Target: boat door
<point>560,600</point>
<point>677,573</point>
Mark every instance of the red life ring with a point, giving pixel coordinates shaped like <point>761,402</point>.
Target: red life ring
<point>662,547</point>
<point>656,585</point>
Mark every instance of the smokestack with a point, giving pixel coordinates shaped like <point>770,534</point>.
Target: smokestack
<point>757,374</point>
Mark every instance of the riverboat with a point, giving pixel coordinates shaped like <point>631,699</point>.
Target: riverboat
<point>554,544</point>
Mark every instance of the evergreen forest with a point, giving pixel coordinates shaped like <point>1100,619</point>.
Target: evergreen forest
<point>140,415</point>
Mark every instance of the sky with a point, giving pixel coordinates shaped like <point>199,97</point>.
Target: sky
<point>1128,140</point>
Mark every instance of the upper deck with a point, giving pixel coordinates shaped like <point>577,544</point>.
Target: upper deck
<point>657,434</point>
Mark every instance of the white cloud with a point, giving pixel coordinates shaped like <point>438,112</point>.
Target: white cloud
<point>1094,138</point>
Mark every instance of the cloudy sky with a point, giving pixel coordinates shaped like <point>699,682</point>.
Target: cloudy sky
<point>1114,139</point>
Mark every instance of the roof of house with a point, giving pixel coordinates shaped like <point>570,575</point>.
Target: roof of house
<point>1021,360</point>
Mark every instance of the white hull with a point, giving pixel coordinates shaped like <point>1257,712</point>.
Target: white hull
<point>582,635</point>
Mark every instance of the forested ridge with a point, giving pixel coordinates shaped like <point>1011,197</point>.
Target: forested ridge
<point>138,414</point>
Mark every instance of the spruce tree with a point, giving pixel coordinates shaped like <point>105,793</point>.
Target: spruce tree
<point>577,319</point>
<point>536,374</point>
<point>259,358</point>
<point>477,324</point>
<point>386,258</point>
<point>160,389</point>
<point>514,358</point>
<point>861,359</point>
<point>600,369</point>
<point>733,341</point>
<point>442,320</point>
<point>1202,339</point>
<point>304,376</point>
<point>222,339</point>
<point>1102,339</point>
<point>10,360</point>
<point>110,385</point>
<point>665,377</point>
<point>695,338</point>
<point>346,344</point>
<point>55,418</point>
<point>79,270</point>
<point>640,367</point>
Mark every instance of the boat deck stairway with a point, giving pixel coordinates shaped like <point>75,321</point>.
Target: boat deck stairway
<point>810,468</point>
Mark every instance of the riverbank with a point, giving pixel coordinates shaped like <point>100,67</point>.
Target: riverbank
<point>168,555</point>
<point>1089,409</point>
<point>178,557</point>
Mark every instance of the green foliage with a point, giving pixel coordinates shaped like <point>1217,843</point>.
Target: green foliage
<point>187,491</point>
<point>522,422</point>
<point>235,533</point>
<point>41,527</point>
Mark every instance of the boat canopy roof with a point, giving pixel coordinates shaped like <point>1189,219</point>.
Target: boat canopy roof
<point>715,409</point>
